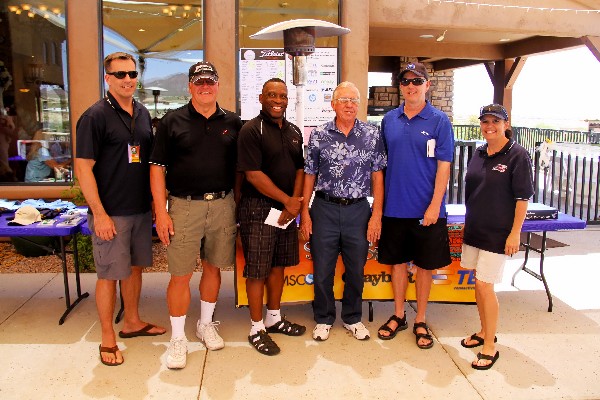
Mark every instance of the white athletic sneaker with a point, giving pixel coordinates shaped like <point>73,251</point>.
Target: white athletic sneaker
<point>358,330</point>
<point>209,336</point>
<point>321,332</point>
<point>177,353</point>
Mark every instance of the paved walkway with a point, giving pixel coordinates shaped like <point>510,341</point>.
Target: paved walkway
<point>542,355</point>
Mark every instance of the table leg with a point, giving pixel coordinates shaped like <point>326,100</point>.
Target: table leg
<point>539,276</point>
<point>63,255</point>
<point>120,312</point>
<point>370,311</point>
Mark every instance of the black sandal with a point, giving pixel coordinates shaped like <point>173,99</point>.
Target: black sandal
<point>263,343</point>
<point>477,339</point>
<point>402,325</point>
<point>481,356</point>
<point>287,328</point>
<point>423,335</point>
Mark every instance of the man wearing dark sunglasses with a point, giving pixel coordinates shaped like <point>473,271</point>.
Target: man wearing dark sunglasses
<point>114,138</point>
<point>420,145</point>
<point>194,158</point>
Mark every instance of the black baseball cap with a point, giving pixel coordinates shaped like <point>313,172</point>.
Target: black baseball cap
<point>203,69</point>
<point>416,68</point>
<point>496,110</point>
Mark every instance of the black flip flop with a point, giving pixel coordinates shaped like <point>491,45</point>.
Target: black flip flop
<point>493,360</point>
<point>145,331</point>
<point>476,338</point>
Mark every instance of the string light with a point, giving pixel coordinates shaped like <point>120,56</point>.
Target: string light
<point>519,7</point>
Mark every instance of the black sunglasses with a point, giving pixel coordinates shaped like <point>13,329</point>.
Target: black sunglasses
<point>414,81</point>
<point>121,74</point>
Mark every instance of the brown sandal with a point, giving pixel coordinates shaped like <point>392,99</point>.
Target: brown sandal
<point>112,350</point>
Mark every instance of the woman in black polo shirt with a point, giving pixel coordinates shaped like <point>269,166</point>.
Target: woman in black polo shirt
<point>499,183</point>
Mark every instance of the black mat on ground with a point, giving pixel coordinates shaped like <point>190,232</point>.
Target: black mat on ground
<point>536,241</point>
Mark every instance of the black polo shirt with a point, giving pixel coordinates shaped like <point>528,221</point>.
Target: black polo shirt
<point>277,152</point>
<point>493,185</point>
<point>103,132</point>
<point>199,153</point>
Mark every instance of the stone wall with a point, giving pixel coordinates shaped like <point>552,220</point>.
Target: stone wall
<point>440,93</point>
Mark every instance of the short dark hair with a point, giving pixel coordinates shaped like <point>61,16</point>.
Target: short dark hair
<point>119,55</point>
<point>273,80</point>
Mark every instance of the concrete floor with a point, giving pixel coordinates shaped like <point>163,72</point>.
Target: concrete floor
<point>542,355</point>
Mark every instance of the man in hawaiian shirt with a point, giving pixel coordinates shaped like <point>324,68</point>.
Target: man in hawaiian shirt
<point>344,165</point>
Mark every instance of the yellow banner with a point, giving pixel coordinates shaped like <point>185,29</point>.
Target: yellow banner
<point>450,284</point>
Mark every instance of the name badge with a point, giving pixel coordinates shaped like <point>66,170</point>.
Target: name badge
<point>431,148</point>
<point>133,151</point>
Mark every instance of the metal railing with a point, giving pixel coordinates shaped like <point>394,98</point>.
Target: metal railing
<point>569,180</point>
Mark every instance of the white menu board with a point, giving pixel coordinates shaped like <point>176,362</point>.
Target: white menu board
<point>259,65</point>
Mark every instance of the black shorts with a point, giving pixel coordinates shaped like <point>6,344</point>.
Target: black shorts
<point>405,239</point>
<point>265,246</point>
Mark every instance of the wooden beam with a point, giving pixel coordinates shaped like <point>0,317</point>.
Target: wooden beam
<point>593,43</point>
<point>449,63</point>
<point>395,47</point>
<point>539,45</point>
<point>514,71</point>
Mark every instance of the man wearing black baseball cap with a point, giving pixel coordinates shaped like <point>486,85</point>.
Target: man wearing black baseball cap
<point>194,158</point>
<point>203,70</point>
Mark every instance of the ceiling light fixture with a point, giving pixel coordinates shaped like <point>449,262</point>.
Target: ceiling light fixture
<point>505,40</point>
<point>426,36</point>
<point>442,36</point>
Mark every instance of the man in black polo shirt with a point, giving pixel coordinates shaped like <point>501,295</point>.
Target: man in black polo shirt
<point>195,146</point>
<point>114,137</point>
<point>270,155</point>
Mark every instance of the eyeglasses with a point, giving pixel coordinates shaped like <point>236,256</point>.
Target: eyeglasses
<point>121,74</point>
<point>346,100</point>
<point>204,81</point>
<point>414,81</point>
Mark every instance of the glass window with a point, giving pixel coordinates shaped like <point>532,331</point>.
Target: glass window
<point>165,38</point>
<point>35,135</point>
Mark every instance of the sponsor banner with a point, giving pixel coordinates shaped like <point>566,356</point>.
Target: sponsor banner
<point>450,284</point>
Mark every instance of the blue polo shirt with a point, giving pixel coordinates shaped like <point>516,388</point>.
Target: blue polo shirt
<point>410,173</point>
<point>343,164</point>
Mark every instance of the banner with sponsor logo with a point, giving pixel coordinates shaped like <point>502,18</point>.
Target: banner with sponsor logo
<point>256,66</point>
<point>450,284</point>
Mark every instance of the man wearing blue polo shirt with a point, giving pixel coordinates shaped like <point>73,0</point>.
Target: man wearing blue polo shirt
<point>344,164</point>
<point>420,145</point>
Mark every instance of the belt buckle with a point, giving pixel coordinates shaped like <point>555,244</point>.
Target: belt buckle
<point>209,196</point>
<point>345,202</point>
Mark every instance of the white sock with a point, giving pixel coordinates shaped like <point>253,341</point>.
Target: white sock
<point>273,317</point>
<point>177,327</point>
<point>257,326</point>
<point>206,312</point>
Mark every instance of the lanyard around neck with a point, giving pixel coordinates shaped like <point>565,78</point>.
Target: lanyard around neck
<point>131,127</point>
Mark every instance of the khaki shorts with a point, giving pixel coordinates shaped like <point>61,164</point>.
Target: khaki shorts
<point>131,246</point>
<point>488,266</point>
<point>205,226</point>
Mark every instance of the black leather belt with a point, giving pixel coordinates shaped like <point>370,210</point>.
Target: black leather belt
<point>206,196</point>
<point>338,200</point>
